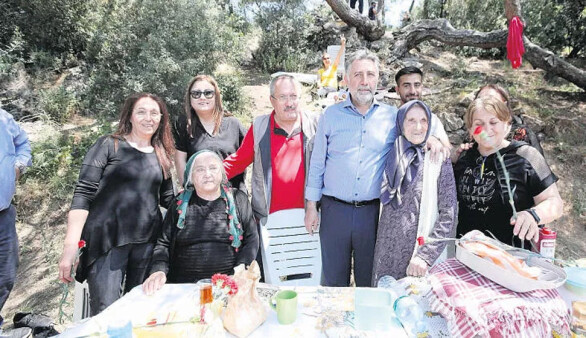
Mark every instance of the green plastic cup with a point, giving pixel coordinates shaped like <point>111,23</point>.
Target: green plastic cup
<point>285,303</point>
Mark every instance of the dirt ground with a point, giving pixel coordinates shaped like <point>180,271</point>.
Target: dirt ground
<point>560,108</point>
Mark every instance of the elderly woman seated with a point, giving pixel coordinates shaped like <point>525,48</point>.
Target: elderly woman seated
<point>206,232</point>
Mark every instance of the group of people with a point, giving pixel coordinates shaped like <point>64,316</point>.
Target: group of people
<point>360,153</point>
<point>371,9</point>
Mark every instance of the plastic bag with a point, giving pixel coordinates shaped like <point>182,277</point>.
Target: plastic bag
<point>245,311</point>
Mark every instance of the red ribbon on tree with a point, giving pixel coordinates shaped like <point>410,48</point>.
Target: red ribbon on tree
<point>515,47</point>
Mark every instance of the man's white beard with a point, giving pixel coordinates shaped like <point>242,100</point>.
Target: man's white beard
<point>363,99</point>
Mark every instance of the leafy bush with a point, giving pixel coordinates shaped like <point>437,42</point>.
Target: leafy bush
<point>57,161</point>
<point>556,24</point>
<point>58,103</point>
<point>157,47</point>
<point>286,27</point>
<point>232,95</point>
<point>53,25</point>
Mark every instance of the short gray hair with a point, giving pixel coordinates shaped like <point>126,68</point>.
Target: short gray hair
<point>284,77</point>
<point>362,54</point>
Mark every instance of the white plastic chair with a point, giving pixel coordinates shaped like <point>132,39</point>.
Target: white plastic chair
<point>81,302</point>
<point>291,257</point>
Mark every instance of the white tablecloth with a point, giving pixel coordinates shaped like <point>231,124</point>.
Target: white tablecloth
<point>179,302</point>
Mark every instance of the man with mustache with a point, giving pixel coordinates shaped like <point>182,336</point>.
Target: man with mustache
<point>352,141</point>
<point>279,147</point>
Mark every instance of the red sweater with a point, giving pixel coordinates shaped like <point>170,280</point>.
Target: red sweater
<point>287,165</point>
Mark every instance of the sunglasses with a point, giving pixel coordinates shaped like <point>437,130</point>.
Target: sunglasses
<point>196,94</point>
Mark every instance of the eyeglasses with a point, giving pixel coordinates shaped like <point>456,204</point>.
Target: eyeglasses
<point>285,98</point>
<point>203,170</point>
<point>196,94</point>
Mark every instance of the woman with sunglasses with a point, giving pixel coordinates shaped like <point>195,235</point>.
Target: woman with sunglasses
<point>327,77</point>
<point>206,125</point>
<point>483,197</point>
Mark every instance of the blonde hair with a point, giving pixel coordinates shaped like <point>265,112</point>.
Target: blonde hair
<point>492,105</point>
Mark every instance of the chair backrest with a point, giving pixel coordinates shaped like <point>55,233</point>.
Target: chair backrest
<point>333,51</point>
<point>81,302</point>
<point>290,255</point>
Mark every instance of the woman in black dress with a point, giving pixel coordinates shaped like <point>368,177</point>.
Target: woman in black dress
<point>210,228</point>
<point>206,125</point>
<point>124,179</point>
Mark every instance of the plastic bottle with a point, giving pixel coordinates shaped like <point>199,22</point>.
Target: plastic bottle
<point>407,309</point>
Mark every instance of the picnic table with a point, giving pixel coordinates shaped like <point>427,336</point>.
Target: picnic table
<point>322,311</point>
<point>328,311</point>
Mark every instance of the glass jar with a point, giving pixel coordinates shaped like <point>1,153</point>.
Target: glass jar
<point>578,326</point>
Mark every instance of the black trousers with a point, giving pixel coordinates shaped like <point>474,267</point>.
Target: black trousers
<point>360,5</point>
<point>106,276</point>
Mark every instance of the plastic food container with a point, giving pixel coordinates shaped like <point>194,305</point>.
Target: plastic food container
<point>576,281</point>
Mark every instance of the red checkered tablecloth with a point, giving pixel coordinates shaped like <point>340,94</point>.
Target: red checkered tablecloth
<point>475,306</point>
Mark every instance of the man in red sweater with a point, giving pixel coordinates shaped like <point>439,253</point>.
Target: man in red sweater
<point>279,147</point>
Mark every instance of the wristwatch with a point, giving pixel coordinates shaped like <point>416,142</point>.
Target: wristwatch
<point>534,214</point>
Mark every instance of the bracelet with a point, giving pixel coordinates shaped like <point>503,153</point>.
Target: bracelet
<point>534,214</point>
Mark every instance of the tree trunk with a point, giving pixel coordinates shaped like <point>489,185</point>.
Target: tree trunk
<point>441,30</point>
<point>372,30</point>
<point>425,13</point>
<point>380,11</point>
<point>512,8</point>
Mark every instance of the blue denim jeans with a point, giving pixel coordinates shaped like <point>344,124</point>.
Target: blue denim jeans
<point>8,254</point>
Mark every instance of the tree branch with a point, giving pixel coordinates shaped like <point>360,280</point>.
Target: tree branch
<point>441,30</point>
<point>372,30</point>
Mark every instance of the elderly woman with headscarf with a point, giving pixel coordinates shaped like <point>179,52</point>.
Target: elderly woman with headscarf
<point>210,228</point>
<point>410,210</point>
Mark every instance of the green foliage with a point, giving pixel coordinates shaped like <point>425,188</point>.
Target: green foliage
<point>157,47</point>
<point>552,24</point>
<point>232,95</point>
<point>54,25</point>
<point>58,103</point>
<point>556,24</point>
<point>11,54</point>
<point>286,28</point>
<point>57,161</point>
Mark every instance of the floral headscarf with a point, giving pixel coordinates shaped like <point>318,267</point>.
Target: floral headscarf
<point>235,228</point>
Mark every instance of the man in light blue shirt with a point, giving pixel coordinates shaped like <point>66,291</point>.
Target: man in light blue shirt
<point>352,141</point>
<point>15,157</point>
